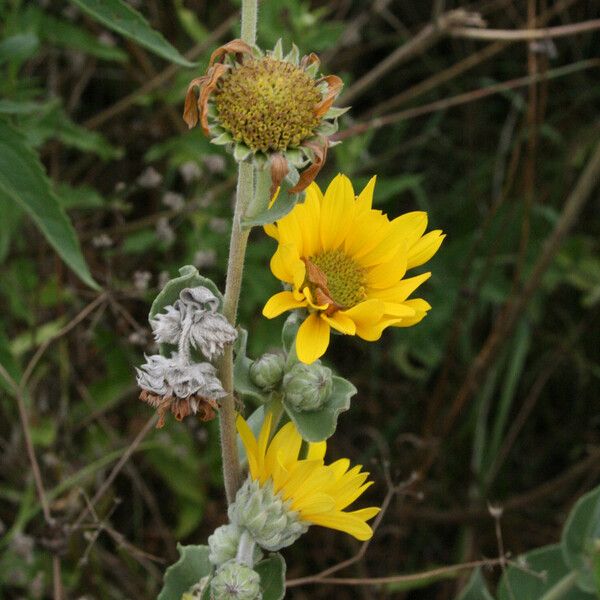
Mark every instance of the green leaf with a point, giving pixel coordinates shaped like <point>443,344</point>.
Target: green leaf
<point>123,19</point>
<point>56,124</point>
<point>14,107</point>
<point>580,541</point>
<point>543,570</point>
<point>282,206</point>
<point>81,197</point>
<point>65,34</point>
<point>22,180</point>
<point>18,47</point>
<point>11,215</point>
<point>272,577</point>
<point>241,371</point>
<point>476,588</point>
<point>192,566</point>
<point>318,425</point>
<point>288,333</point>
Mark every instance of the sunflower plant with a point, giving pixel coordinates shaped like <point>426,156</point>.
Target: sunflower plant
<point>345,269</point>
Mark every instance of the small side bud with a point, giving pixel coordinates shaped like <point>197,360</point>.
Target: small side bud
<point>223,545</point>
<point>234,581</point>
<point>267,371</point>
<point>307,387</point>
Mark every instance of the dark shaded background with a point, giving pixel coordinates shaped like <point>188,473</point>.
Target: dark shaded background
<point>482,409</point>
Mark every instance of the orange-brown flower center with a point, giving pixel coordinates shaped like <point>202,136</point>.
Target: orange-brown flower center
<point>336,279</point>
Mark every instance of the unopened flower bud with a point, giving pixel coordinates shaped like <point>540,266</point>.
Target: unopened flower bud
<point>307,387</point>
<point>269,519</point>
<point>267,371</point>
<point>223,545</point>
<point>235,581</point>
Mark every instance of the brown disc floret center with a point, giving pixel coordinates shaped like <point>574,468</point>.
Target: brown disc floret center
<point>268,104</point>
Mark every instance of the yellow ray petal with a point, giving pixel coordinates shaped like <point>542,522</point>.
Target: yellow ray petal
<point>349,494</point>
<point>366,513</point>
<point>401,291</point>
<point>250,445</point>
<point>410,226</point>
<point>396,309</point>
<point>263,440</point>
<point>420,306</point>
<point>311,301</point>
<point>285,263</point>
<point>368,231</point>
<point>271,230</point>
<point>337,211</point>
<point>338,468</point>
<point>425,248</point>
<point>312,339</point>
<point>342,521</point>
<point>366,314</point>
<point>290,232</point>
<point>364,202</point>
<point>341,322</point>
<point>283,449</point>
<point>281,302</point>
<point>315,504</point>
<point>388,273</point>
<point>316,451</point>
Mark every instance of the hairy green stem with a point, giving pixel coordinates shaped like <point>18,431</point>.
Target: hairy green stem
<point>262,197</point>
<point>249,19</point>
<point>233,285</point>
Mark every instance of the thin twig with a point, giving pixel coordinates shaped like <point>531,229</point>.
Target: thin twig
<point>458,68</point>
<point>129,100</point>
<point>429,35</point>
<point>57,578</point>
<point>439,573</point>
<point>464,98</point>
<point>505,325</point>
<point>392,491</point>
<point>116,470</point>
<point>44,346</point>
<point>525,34</point>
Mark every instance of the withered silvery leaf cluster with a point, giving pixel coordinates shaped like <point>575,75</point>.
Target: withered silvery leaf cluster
<point>194,317</point>
<point>179,383</point>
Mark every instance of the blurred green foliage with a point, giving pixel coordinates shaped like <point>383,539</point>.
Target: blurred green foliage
<point>123,190</point>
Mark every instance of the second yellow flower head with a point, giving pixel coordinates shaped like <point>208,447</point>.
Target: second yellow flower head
<point>346,263</point>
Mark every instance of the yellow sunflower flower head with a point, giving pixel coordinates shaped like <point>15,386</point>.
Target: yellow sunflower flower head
<point>346,264</point>
<point>285,494</point>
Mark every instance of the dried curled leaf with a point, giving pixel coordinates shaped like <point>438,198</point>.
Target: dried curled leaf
<point>334,86</point>
<point>279,169</point>
<point>237,47</point>
<point>308,175</point>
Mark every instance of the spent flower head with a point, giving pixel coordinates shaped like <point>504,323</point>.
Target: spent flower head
<point>345,264</point>
<point>268,108</point>
<point>181,383</point>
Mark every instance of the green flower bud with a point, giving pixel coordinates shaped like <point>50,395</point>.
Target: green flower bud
<point>223,545</point>
<point>234,581</point>
<point>307,387</point>
<point>269,519</point>
<point>267,371</point>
